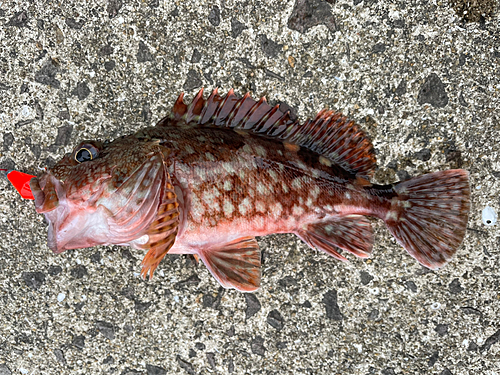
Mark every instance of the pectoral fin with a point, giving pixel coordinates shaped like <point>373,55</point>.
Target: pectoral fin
<point>235,264</point>
<point>353,233</point>
<point>163,230</point>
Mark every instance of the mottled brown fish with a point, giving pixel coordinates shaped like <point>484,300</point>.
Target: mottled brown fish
<point>216,173</point>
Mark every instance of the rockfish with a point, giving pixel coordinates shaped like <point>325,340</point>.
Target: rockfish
<point>214,174</point>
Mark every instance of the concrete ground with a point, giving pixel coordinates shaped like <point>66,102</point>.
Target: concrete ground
<point>421,77</point>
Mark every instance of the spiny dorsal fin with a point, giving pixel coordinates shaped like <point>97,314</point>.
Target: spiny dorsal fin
<point>330,134</point>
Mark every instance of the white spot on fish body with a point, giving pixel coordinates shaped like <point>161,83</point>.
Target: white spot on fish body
<point>209,156</point>
<point>297,183</point>
<point>191,225</point>
<point>301,165</point>
<point>228,208</point>
<point>273,174</point>
<point>189,149</point>
<point>297,210</point>
<point>228,185</point>
<point>315,191</point>
<point>260,151</point>
<point>309,202</point>
<point>391,215</point>
<point>276,210</point>
<point>325,161</point>
<point>347,195</point>
<point>285,187</point>
<point>262,189</point>
<point>209,198</point>
<point>260,206</point>
<point>197,209</point>
<point>228,167</point>
<point>247,149</point>
<point>201,173</point>
<point>182,167</point>
<point>244,206</point>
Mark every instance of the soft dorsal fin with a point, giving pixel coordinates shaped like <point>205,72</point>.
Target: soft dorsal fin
<point>330,134</point>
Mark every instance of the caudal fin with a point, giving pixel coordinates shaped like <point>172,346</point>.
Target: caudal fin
<point>429,217</point>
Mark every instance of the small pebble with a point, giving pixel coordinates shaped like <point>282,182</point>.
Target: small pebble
<point>435,305</point>
<point>61,297</point>
<point>26,111</point>
<point>489,216</point>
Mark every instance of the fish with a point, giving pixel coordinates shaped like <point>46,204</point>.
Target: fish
<point>215,174</point>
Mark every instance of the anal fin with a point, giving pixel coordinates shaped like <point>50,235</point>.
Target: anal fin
<point>235,264</point>
<point>353,233</point>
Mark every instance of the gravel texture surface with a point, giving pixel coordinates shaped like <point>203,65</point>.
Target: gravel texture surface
<point>422,78</point>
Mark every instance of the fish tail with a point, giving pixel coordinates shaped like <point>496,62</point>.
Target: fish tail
<point>429,215</point>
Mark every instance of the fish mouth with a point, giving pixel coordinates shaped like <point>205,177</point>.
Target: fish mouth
<point>69,225</point>
<point>47,191</point>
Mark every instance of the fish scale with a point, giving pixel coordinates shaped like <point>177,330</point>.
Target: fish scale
<point>216,173</point>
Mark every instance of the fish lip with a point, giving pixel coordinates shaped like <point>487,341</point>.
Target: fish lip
<point>43,188</point>
<point>48,192</point>
<point>38,193</point>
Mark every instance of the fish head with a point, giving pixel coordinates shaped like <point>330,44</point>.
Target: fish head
<point>101,193</point>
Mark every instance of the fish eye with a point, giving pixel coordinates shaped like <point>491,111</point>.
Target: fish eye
<point>86,152</point>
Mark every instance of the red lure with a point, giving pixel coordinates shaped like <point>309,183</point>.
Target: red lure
<point>21,182</point>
